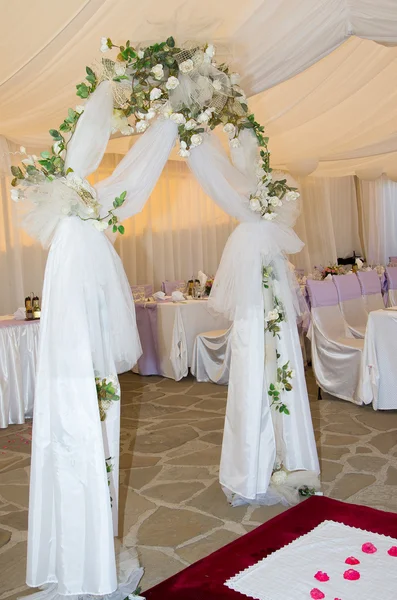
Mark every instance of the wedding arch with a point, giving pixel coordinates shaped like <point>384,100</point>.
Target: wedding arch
<point>268,454</point>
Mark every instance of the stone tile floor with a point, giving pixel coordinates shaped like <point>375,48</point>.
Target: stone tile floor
<point>171,506</point>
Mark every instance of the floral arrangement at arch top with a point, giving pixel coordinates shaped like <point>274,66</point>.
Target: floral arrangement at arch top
<point>185,85</point>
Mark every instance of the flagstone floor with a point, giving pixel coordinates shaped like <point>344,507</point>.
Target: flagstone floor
<point>171,506</point>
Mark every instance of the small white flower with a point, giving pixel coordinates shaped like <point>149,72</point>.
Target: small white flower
<point>272,315</point>
<point>184,153</point>
<point>28,161</point>
<point>79,109</point>
<point>196,140</point>
<point>203,117</point>
<point>22,150</point>
<point>167,110</point>
<point>292,374</point>
<point>151,113</point>
<point>191,124</point>
<point>274,201</point>
<point>119,68</point>
<point>210,50</point>
<point>230,129</point>
<point>291,195</point>
<point>178,118</point>
<point>279,477</point>
<point>100,225</point>
<point>183,144</point>
<point>127,130</point>
<point>15,195</point>
<point>186,66</point>
<point>35,158</point>
<point>235,143</point>
<point>270,216</point>
<point>158,71</point>
<point>141,126</point>
<point>234,78</point>
<point>141,54</point>
<point>56,148</point>
<point>255,205</point>
<point>172,83</point>
<point>155,93</point>
<point>104,44</point>
<point>217,85</point>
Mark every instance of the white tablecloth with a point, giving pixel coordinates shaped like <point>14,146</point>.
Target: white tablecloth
<point>378,382</point>
<point>19,341</point>
<point>178,326</point>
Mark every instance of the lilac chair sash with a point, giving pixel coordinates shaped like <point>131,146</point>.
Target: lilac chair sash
<point>391,273</point>
<point>171,286</point>
<point>146,320</point>
<point>369,282</point>
<point>322,293</point>
<point>347,286</point>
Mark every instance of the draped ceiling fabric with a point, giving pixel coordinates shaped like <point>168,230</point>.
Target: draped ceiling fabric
<point>340,111</point>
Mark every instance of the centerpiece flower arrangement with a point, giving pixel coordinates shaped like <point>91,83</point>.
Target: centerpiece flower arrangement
<point>330,270</point>
<point>208,285</point>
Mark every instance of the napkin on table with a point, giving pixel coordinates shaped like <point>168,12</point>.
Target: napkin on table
<point>20,314</point>
<point>202,277</point>
<point>159,296</point>
<point>177,296</point>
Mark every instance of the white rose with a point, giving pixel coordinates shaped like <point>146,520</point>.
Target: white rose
<point>274,201</point>
<point>186,66</point>
<point>79,109</point>
<point>210,50</point>
<point>191,124</point>
<point>184,153</point>
<point>158,71</point>
<point>196,140</point>
<point>234,78</point>
<point>172,83</point>
<point>178,118</point>
<point>167,110</point>
<point>14,195</point>
<point>141,126</point>
<point>269,216</point>
<point>291,195</point>
<point>119,68</point>
<point>141,53</point>
<point>272,315</point>
<point>217,85</point>
<point>104,44</point>
<point>235,143</point>
<point>203,117</point>
<point>183,144</point>
<point>127,130</point>
<point>22,149</point>
<point>155,93</point>
<point>100,225</point>
<point>255,205</point>
<point>151,113</point>
<point>230,129</point>
<point>279,477</point>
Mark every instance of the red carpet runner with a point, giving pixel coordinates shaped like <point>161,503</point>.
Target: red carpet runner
<point>204,580</point>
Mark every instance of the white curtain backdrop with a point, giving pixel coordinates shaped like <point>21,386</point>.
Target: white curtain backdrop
<point>379,215</point>
<point>328,223</point>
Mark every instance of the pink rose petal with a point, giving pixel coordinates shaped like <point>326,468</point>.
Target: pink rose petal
<point>320,576</point>
<point>392,551</point>
<point>369,548</point>
<point>317,594</point>
<point>352,560</point>
<point>351,575</point>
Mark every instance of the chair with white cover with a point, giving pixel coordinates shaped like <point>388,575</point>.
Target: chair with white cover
<point>211,356</point>
<point>393,261</point>
<point>371,290</point>
<point>336,354</point>
<point>391,274</point>
<point>352,304</point>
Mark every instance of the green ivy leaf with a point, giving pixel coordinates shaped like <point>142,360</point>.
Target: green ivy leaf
<point>17,172</point>
<point>56,135</point>
<point>46,154</point>
<point>170,42</point>
<point>82,90</point>
<point>114,228</point>
<point>121,229</point>
<point>14,182</point>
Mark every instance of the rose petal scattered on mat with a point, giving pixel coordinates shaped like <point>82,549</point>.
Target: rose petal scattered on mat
<point>369,548</point>
<point>392,551</point>
<point>352,560</point>
<point>321,576</point>
<point>351,575</point>
<point>317,594</point>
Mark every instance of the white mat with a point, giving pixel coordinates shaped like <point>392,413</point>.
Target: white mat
<point>289,573</point>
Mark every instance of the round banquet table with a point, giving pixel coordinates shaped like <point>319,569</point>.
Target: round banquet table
<point>19,343</point>
<point>168,330</point>
<point>378,381</point>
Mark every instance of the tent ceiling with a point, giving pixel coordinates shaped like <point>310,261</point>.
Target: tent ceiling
<point>340,110</point>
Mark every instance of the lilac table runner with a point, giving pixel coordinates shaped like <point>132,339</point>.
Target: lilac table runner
<point>146,319</point>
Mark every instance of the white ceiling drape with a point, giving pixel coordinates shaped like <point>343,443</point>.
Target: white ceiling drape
<point>340,110</point>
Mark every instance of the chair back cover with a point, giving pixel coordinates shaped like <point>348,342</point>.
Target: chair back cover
<point>322,293</point>
<point>326,313</point>
<point>369,282</point>
<point>352,303</point>
<point>347,286</point>
<point>172,286</point>
<point>392,277</point>
<point>393,260</point>
<point>145,289</point>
